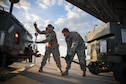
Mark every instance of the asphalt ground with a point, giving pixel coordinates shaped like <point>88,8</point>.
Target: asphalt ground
<point>27,73</point>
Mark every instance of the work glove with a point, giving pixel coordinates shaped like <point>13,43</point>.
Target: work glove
<point>68,57</point>
<point>30,41</point>
<point>35,25</point>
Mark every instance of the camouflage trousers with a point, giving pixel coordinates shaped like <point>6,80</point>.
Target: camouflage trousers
<point>56,55</point>
<point>81,57</point>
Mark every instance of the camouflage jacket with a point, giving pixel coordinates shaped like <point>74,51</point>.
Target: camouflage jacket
<point>74,42</point>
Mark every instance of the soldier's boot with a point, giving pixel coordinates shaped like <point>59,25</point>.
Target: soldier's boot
<point>84,73</point>
<point>41,69</point>
<point>59,70</point>
<point>65,73</point>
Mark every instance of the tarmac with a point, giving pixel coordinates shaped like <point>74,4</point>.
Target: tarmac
<point>27,73</point>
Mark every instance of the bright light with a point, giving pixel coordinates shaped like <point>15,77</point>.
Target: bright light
<point>16,35</point>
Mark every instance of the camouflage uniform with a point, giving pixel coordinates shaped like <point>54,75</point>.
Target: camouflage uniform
<point>75,45</point>
<point>52,47</point>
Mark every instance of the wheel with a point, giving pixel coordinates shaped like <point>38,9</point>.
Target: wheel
<point>94,68</point>
<point>119,72</point>
<point>5,61</point>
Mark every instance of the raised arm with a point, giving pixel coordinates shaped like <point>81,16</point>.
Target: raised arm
<point>38,31</point>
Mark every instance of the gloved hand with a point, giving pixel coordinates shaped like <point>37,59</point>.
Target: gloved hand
<point>68,57</point>
<point>35,25</point>
<point>31,41</point>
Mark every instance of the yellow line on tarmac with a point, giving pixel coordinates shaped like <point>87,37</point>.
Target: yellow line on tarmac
<point>23,69</point>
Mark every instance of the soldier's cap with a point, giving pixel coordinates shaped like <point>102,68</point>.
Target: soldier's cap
<point>50,26</point>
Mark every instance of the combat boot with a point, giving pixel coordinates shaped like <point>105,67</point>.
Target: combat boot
<point>41,69</point>
<point>84,73</point>
<point>65,73</point>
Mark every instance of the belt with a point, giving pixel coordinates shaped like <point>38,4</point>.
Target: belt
<point>51,45</point>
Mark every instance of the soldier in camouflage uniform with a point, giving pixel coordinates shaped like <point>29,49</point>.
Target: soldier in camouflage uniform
<point>52,47</point>
<point>75,45</point>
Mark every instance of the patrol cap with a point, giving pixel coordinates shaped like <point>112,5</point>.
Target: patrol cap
<point>49,26</point>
